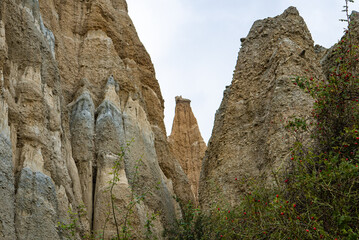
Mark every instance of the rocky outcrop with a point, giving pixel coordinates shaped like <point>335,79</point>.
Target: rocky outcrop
<point>118,129</point>
<point>82,127</point>
<point>31,89</point>
<point>76,85</point>
<point>36,206</point>
<point>249,139</point>
<point>7,181</point>
<point>187,143</point>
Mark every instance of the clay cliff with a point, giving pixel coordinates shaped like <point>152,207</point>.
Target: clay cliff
<point>249,139</point>
<point>187,143</point>
<point>77,85</point>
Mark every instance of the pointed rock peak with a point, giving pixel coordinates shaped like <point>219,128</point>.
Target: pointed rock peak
<point>83,90</point>
<point>186,142</point>
<point>354,17</point>
<point>354,14</point>
<point>271,30</point>
<point>135,115</point>
<point>84,83</point>
<point>111,82</point>
<point>132,106</point>
<point>134,110</point>
<point>290,11</point>
<point>180,99</point>
<point>184,117</point>
<point>85,95</point>
<point>112,87</point>
<point>82,94</point>
<point>82,107</point>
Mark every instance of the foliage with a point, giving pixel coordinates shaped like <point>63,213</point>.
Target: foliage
<point>188,226</point>
<point>325,180</point>
<point>71,229</point>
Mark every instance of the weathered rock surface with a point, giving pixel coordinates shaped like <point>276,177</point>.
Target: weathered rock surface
<point>249,138</point>
<point>77,85</point>
<point>30,88</point>
<point>186,142</point>
<point>139,168</point>
<point>64,120</point>
<point>82,127</point>
<point>7,181</point>
<point>36,206</point>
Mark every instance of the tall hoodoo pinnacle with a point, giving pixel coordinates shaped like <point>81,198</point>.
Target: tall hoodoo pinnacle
<point>248,138</point>
<point>186,142</point>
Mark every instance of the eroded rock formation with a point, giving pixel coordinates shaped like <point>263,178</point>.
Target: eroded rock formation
<point>76,85</point>
<point>186,142</point>
<point>249,138</point>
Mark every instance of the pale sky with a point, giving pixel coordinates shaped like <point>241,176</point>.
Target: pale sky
<point>194,44</point>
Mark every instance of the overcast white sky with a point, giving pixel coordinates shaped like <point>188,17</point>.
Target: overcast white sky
<point>194,44</point>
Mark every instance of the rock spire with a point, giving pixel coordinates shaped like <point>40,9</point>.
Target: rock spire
<point>248,138</point>
<point>186,142</point>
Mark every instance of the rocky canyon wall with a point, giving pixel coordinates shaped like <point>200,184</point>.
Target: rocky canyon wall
<point>76,86</point>
<point>187,143</point>
<point>249,139</point>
